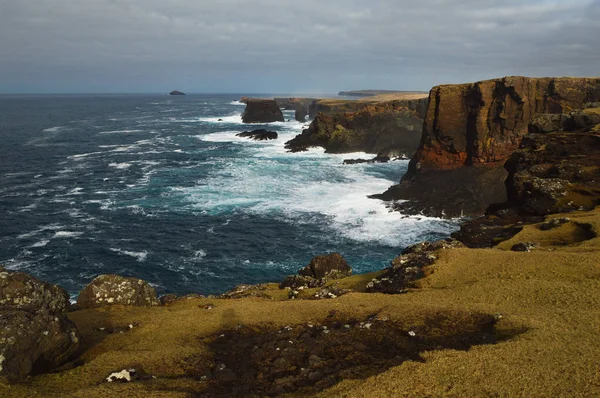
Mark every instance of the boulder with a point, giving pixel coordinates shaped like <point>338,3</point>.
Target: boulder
<point>480,125</point>
<point>549,123</point>
<point>35,334</point>
<point>259,135</point>
<point>319,271</point>
<point>261,111</point>
<point>409,266</point>
<point>114,289</point>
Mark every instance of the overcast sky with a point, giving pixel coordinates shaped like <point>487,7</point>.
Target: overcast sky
<point>281,46</point>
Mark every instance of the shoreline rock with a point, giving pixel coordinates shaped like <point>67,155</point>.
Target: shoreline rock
<point>259,135</point>
<point>106,290</point>
<point>262,111</point>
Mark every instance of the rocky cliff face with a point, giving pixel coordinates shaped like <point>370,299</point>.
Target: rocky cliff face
<point>481,124</point>
<point>340,106</point>
<point>261,111</point>
<point>373,128</point>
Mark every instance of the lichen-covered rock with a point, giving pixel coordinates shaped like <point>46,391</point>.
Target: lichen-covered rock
<point>20,291</point>
<point>245,290</point>
<point>114,289</point>
<point>261,111</point>
<point>319,271</point>
<point>549,123</point>
<point>35,334</point>
<point>408,267</point>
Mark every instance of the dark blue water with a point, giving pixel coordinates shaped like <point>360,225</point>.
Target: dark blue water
<point>158,188</point>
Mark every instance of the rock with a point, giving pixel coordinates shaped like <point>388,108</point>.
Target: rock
<point>583,119</point>
<point>114,289</point>
<point>332,266</point>
<point>167,299</point>
<point>523,247</point>
<point>35,334</point>
<point>383,156</point>
<point>262,111</point>
<point>408,267</point>
<point>319,271</point>
<point>241,291</point>
<point>549,123</point>
<point>480,125</point>
<point>300,113</point>
<point>259,135</point>
<point>554,223</point>
<point>371,129</point>
<point>133,373</point>
<point>175,92</point>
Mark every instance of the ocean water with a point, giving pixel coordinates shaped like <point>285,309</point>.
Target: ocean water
<point>158,188</point>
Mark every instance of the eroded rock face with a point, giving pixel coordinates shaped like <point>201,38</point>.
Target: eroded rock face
<point>373,128</point>
<point>35,334</point>
<point>408,267</point>
<point>482,123</point>
<point>262,111</point>
<point>114,289</point>
<point>319,271</point>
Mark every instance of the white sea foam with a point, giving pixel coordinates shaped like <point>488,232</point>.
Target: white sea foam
<point>66,234</point>
<point>237,103</point>
<point>41,243</point>
<point>120,166</point>
<point>231,119</point>
<point>50,227</point>
<point>139,256</point>
<point>53,129</point>
<point>121,131</point>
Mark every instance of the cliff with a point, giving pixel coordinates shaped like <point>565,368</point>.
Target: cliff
<point>371,93</point>
<point>370,128</point>
<point>480,124</point>
<point>261,111</point>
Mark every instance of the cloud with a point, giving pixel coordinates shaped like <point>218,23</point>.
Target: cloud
<point>284,46</point>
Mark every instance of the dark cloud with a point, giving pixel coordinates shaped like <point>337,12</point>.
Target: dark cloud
<point>284,46</point>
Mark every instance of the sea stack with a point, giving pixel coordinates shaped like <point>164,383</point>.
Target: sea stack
<point>176,92</point>
<point>262,111</point>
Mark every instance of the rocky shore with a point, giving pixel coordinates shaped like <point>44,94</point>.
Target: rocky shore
<point>507,307</point>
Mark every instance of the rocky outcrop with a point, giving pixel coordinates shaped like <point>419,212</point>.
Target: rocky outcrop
<point>410,266</point>
<point>383,156</point>
<point>332,106</point>
<point>176,92</point>
<point>262,111</point>
<point>375,127</point>
<point>319,271</point>
<point>480,125</point>
<point>114,289</point>
<point>35,334</point>
<point>259,135</point>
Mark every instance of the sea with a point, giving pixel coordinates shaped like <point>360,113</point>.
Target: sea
<point>160,188</point>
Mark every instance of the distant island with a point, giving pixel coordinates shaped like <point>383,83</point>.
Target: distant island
<point>175,92</point>
<point>370,93</point>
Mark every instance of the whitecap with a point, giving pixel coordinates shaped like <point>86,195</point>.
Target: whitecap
<point>41,243</point>
<point>120,166</point>
<point>66,234</point>
<point>237,103</point>
<point>121,131</point>
<point>53,129</point>
<point>139,256</point>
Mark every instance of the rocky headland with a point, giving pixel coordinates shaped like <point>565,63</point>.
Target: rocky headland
<point>507,307</point>
<point>470,131</point>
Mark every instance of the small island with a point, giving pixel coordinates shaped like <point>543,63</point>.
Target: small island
<point>176,92</point>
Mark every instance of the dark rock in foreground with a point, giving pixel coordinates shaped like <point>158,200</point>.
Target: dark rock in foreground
<point>259,135</point>
<point>35,334</point>
<point>320,270</point>
<point>408,267</point>
<point>114,289</point>
<point>262,111</point>
<point>175,92</point>
<point>382,157</point>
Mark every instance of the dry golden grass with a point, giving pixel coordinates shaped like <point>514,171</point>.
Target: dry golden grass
<point>551,295</point>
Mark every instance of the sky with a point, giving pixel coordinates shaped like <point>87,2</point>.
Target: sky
<point>282,46</point>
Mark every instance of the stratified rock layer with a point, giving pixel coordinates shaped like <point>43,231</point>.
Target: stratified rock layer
<point>114,289</point>
<point>35,334</point>
<point>481,124</point>
<point>262,111</point>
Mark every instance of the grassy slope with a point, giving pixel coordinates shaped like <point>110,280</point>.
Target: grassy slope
<point>551,295</point>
